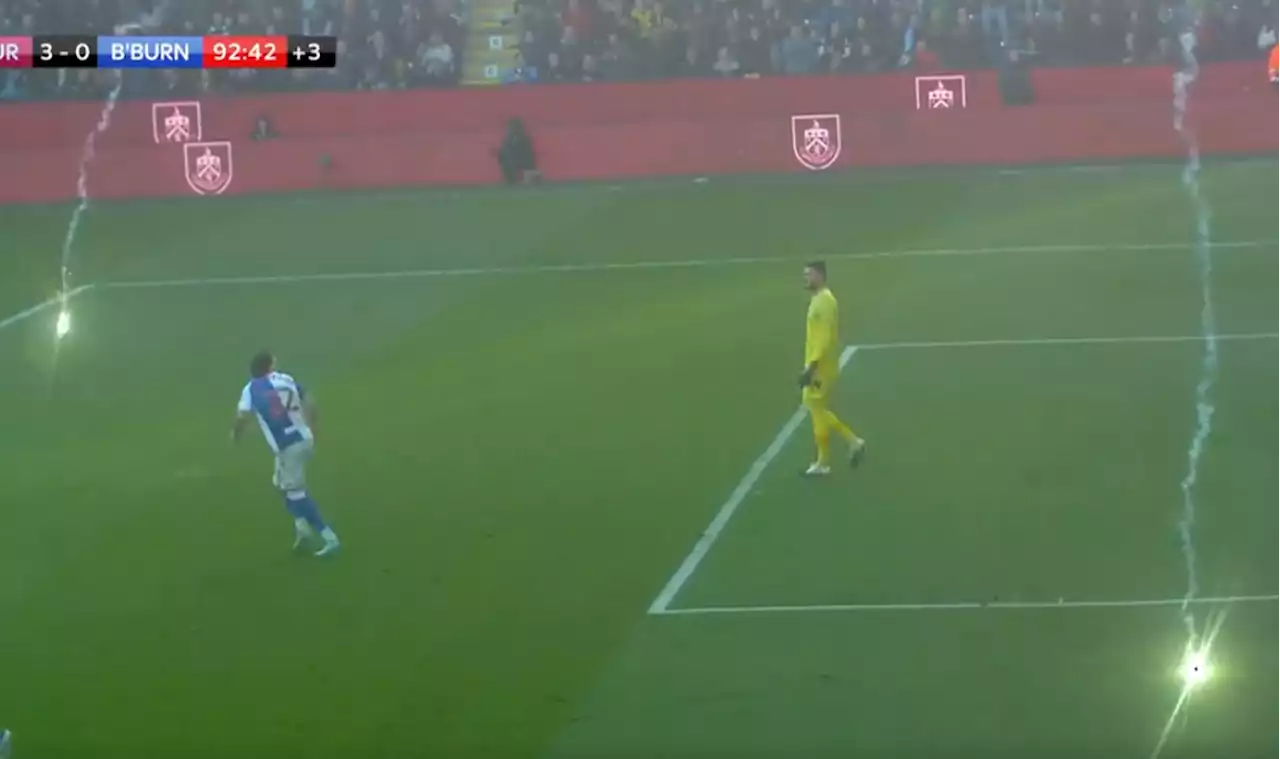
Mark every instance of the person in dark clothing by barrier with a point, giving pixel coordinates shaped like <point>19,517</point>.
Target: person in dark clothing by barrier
<point>516,157</point>
<point>1015,80</point>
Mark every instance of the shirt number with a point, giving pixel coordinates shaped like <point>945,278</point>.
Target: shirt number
<point>283,403</point>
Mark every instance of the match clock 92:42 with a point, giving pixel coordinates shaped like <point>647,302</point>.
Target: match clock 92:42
<point>233,52</point>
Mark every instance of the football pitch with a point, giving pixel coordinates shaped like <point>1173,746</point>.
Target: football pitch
<point>559,436</point>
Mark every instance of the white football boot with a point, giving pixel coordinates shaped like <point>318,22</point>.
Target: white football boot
<point>817,470</point>
<point>331,544</point>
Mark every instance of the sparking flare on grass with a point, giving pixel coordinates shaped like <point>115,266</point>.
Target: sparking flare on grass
<point>1195,664</point>
<point>63,326</point>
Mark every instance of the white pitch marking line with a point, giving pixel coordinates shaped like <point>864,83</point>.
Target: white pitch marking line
<point>657,265</point>
<point>27,313</point>
<point>1048,341</point>
<point>965,606</point>
<point>690,565</point>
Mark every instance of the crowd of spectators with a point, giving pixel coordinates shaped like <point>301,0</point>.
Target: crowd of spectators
<point>390,44</point>
<point>576,40</point>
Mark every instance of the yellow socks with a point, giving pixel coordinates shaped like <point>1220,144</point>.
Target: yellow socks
<point>841,429</point>
<point>825,422</point>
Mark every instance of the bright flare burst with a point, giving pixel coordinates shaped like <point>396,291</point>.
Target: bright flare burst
<point>63,325</point>
<point>1195,668</point>
<point>1194,671</point>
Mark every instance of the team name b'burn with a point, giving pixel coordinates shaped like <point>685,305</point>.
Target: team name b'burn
<point>151,52</point>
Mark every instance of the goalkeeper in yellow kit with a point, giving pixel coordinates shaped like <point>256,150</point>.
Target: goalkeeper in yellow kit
<point>821,368</point>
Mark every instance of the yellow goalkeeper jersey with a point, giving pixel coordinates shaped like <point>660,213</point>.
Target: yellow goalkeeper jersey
<point>822,333</point>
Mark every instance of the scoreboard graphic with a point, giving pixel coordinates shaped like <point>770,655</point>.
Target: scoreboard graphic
<point>207,162</point>
<point>208,52</point>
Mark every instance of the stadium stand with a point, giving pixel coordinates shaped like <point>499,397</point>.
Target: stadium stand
<point>393,44</point>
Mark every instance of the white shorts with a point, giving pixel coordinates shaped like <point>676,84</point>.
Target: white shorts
<point>291,466</point>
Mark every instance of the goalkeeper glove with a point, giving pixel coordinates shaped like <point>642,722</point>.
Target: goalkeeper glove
<point>806,377</point>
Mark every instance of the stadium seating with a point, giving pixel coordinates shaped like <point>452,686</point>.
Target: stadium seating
<point>393,44</point>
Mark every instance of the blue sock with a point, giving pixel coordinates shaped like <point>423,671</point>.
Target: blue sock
<point>292,506</point>
<point>305,508</point>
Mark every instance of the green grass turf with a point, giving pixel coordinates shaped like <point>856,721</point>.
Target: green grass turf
<point>518,462</point>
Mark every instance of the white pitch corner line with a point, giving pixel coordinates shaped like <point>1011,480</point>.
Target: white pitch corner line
<point>27,313</point>
<point>966,606</point>
<point>662,603</point>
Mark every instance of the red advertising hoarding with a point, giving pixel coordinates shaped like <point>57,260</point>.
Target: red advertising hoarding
<point>354,140</point>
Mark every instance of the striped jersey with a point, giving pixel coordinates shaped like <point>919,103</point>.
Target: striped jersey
<point>276,400</point>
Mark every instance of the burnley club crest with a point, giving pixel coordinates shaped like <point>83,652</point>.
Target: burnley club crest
<point>815,140</point>
<point>175,123</point>
<point>208,166</point>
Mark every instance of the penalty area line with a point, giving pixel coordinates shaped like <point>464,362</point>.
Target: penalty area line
<point>695,263</point>
<point>1066,341</point>
<point>967,606</point>
<point>27,313</point>
<point>661,604</point>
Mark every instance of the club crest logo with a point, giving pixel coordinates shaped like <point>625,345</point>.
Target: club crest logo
<point>941,92</point>
<point>208,166</point>
<point>175,123</point>
<point>815,140</point>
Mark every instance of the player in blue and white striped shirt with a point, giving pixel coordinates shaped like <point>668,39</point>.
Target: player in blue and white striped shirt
<point>285,413</point>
